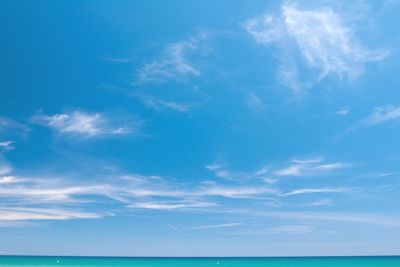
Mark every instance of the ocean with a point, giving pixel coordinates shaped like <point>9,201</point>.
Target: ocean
<point>381,261</point>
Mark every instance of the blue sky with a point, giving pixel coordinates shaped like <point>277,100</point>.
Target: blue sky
<point>186,128</point>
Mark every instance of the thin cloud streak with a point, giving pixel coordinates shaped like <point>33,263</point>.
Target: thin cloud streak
<point>326,216</point>
<point>25,214</point>
<point>159,105</point>
<point>217,226</point>
<point>316,190</point>
<point>176,229</point>
<point>310,167</point>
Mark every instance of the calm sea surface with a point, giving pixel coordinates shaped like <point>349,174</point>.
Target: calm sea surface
<point>200,262</point>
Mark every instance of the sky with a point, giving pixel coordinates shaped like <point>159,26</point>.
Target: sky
<point>199,128</point>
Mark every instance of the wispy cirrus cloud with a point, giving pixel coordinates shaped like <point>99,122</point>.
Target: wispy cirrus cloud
<point>255,103</point>
<point>140,192</point>
<point>290,229</point>
<point>218,226</point>
<point>126,191</point>
<point>221,171</point>
<point>343,112</point>
<point>316,190</point>
<point>310,167</point>
<point>319,203</point>
<point>173,205</point>
<point>29,214</point>
<point>382,115</point>
<point>158,104</point>
<point>5,168</point>
<point>6,146</point>
<point>84,124</point>
<point>173,64</point>
<point>8,125</point>
<point>334,216</point>
<point>312,44</point>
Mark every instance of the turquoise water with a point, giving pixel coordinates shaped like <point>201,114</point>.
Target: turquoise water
<point>201,262</point>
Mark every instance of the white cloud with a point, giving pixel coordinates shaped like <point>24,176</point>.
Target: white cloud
<point>4,168</point>
<point>173,64</point>
<point>221,171</point>
<point>343,112</point>
<point>316,190</point>
<point>181,205</point>
<point>10,180</point>
<point>78,123</point>
<point>235,191</point>
<point>319,203</point>
<point>6,146</point>
<point>325,45</point>
<point>140,192</point>
<point>7,125</point>
<point>159,104</point>
<point>127,191</point>
<point>24,214</point>
<point>218,226</point>
<point>213,167</point>
<point>310,167</point>
<point>289,229</point>
<point>332,216</point>
<point>382,115</point>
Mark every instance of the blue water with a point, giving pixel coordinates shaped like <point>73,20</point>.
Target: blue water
<point>201,262</point>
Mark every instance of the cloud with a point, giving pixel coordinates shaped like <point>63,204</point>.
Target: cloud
<point>173,205</point>
<point>158,104</point>
<point>173,64</point>
<point>24,214</point>
<point>10,180</point>
<point>126,191</point>
<point>78,123</point>
<point>220,171</point>
<point>382,115</point>
<point>341,217</point>
<point>218,226</point>
<point>310,167</point>
<point>312,44</point>
<point>6,146</point>
<point>290,229</point>
<point>132,192</point>
<point>316,190</point>
<point>8,125</point>
<point>235,191</point>
<point>176,229</point>
<point>255,103</point>
<point>116,59</point>
<point>4,168</point>
<point>343,112</point>
<point>319,203</point>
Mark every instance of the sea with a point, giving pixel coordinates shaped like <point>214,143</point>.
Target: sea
<point>369,261</point>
